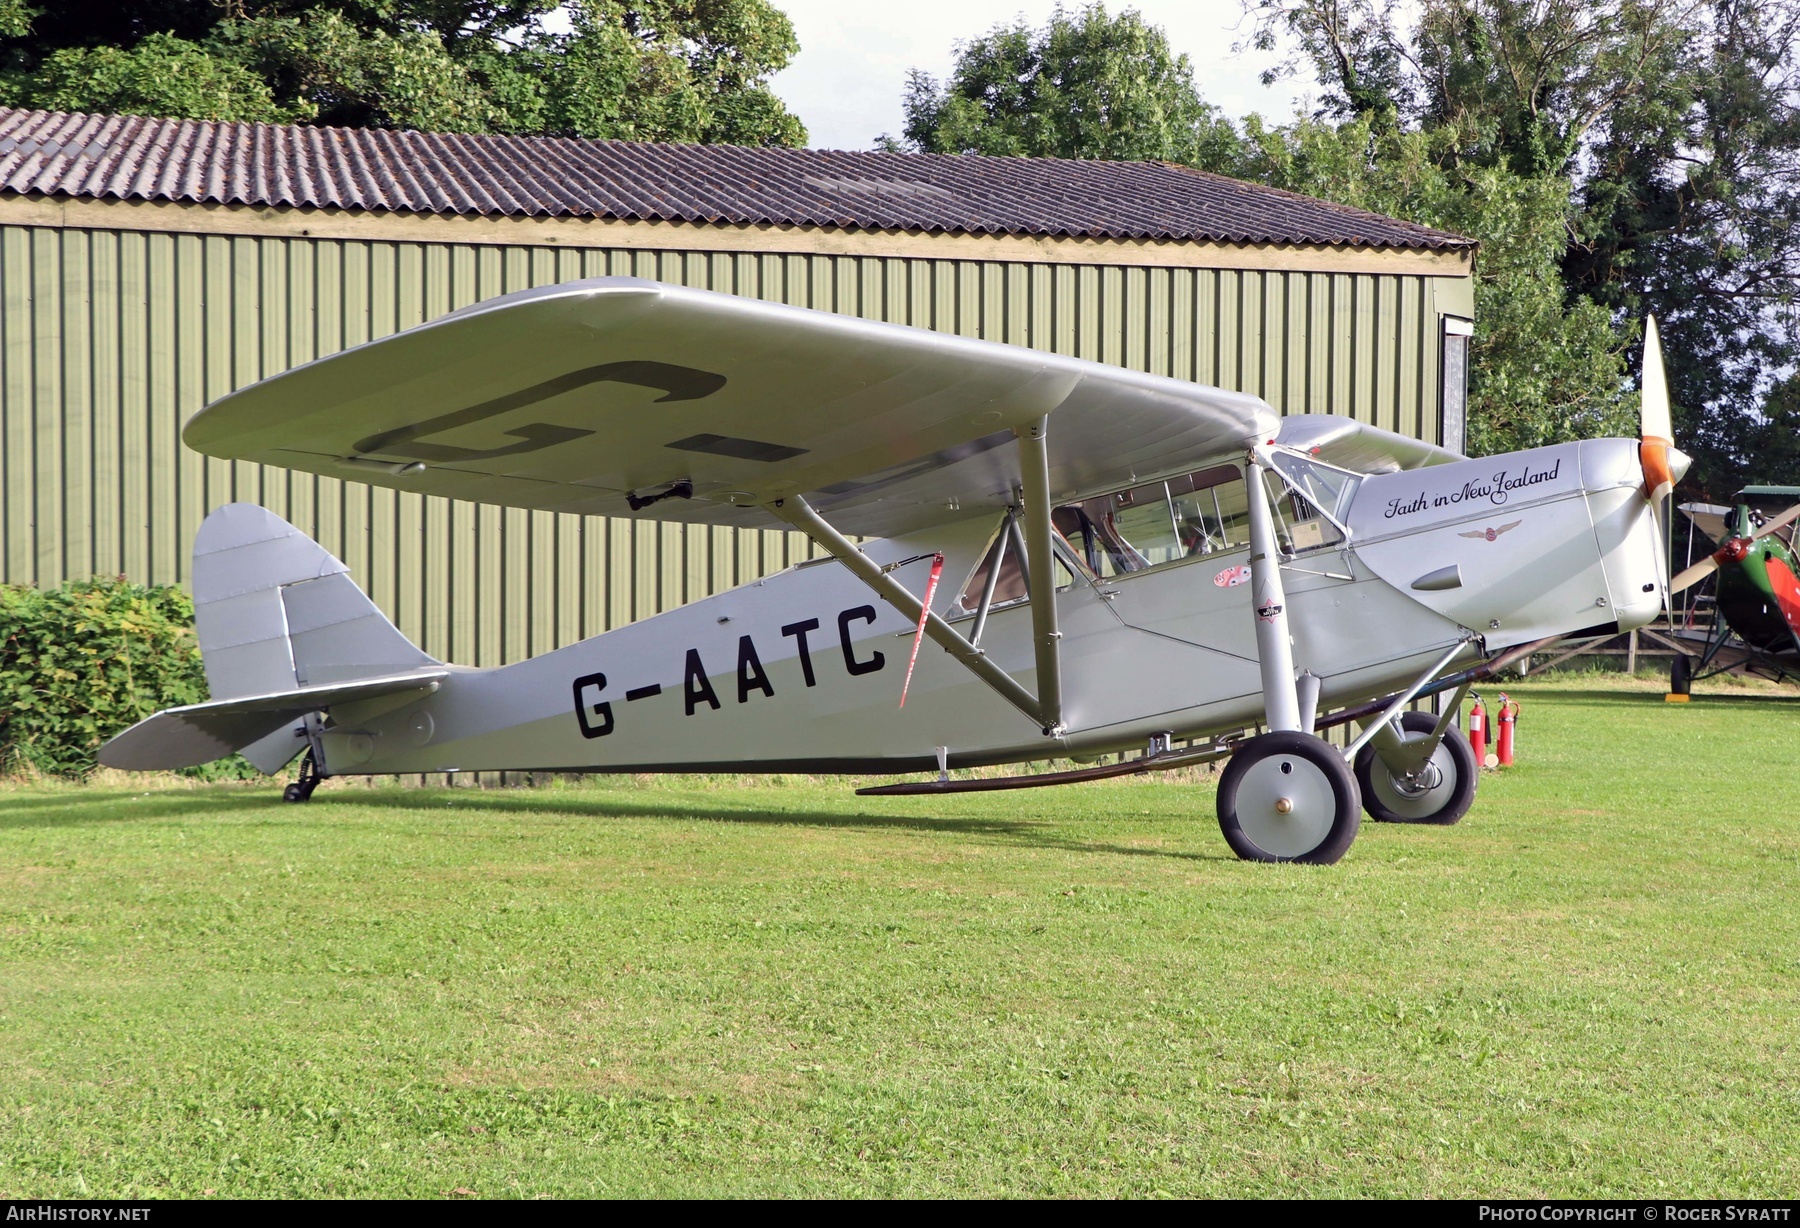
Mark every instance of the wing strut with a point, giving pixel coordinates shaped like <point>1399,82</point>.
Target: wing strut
<point>1040,576</point>
<point>799,513</point>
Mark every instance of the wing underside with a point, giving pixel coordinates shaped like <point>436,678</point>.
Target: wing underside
<point>621,397</point>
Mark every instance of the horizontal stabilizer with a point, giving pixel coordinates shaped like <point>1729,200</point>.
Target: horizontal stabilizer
<point>200,733</point>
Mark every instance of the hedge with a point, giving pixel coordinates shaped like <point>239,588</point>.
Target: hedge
<point>81,662</point>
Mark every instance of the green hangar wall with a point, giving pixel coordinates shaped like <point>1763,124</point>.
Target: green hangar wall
<point>121,317</point>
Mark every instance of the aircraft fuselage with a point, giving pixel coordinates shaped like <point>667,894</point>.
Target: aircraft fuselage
<point>802,670</point>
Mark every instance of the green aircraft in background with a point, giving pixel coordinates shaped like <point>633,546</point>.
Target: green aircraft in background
<point>1756,588</point>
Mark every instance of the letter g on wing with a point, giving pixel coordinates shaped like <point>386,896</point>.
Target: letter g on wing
<point>677,384</point>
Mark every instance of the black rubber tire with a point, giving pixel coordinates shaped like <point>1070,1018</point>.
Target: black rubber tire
<point>294,793</point>
<point>1457,798</point>
<point>1681,675</point>
<point>1318,760</point>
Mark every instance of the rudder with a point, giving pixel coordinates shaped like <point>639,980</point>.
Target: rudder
<point>274,611</point>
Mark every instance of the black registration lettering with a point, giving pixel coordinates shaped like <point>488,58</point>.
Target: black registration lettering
<point>865,613</point>
<point>798,631</point>
<point>601,711</point>
<point>407,442</point>
<point>750,672</point>
<point>695,685</point>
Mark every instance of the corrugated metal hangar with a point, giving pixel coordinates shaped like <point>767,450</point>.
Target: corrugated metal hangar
<point>149,266</point>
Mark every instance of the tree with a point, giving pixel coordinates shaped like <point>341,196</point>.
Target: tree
<point>1695,217</point>
<point>677,70</point>
<point>162,75</point>
<point>1095,86</point>
<point>1523,83</point>
<point>1677,123</point>
<point>1544,370</point>
<point>1087,85</point>
<point>1351,46</point>
<point>673,70</point>
<point>328,71</point>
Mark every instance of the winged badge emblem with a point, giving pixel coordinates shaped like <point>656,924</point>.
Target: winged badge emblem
<point>1491,534</point>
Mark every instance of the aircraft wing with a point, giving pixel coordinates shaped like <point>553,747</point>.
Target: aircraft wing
<point>1359,447</point>
<point>594,396</point>
<point>1709,518</point>
<point>200,733</point>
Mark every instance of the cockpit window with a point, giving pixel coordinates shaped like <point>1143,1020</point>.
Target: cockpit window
<point>1317,503</point>
<point>1212,507</point>
<point>1159,522</point>
<point>1010,586</point>
<point>1328,489</point>
<point>1156,523</point>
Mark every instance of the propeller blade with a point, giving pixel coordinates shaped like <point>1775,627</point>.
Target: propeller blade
<point>1656,428</point>
<point>1654,383</point>
<point>1693,575</point>
<point>1780,522</point>
<point>1733,549</point>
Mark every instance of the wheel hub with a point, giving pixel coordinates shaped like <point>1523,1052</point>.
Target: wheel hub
<point>1418,784</point>
<point>1285,805</point>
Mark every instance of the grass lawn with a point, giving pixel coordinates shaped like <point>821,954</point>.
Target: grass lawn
<point>719,987</point>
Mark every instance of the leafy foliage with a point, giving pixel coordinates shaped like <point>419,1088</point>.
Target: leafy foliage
<point>1545,370</point>
<point>1697,219</point>
<point>1090,85</point>
<point>162,75</point>
<point>81,662</point>
<point>668,70</point>
<point>1087,85</point>
<point>1677,122</point>
<point>673,70</point>
<point>330,71</point>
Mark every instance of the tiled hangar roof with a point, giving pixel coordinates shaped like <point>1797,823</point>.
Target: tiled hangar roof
<point>135,158</point>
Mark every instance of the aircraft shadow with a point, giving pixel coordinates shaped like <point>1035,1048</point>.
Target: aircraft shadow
<point>1775,703</point>
<point>72,809</point>
<point>113,806</point>
<point>1015,831</point>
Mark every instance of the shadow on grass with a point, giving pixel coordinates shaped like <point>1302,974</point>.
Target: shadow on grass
<point>112,806</point>
<point>67,808</point>
<point>638,806</point>
<point>1773,705</point>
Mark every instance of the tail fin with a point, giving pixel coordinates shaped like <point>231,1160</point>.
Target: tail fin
<point>275,611</point>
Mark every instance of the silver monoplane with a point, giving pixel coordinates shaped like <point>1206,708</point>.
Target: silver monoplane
<point>1112,562</point>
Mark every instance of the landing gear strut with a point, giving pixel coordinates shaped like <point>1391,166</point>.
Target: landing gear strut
<point>306,781</point>
<point>1287,795</point>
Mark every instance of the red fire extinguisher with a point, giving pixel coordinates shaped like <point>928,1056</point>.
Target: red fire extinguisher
<point>1478,729</point>
<point>1507,716</point>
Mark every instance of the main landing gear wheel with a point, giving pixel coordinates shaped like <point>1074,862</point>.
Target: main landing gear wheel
<point>1289,797</point>
<point>305,782</point>
<point>1440,793</point>
<point>1681,674</point>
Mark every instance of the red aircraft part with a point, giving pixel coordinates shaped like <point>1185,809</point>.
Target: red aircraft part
<point>937,571</point>
<point>1787,590</point>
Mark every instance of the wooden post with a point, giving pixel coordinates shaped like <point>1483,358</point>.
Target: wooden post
<point>1631,655</point>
